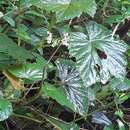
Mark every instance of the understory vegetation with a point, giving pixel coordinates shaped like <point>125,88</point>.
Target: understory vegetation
<point>64,64</point>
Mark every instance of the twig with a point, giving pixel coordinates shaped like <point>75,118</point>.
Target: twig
<point>7,126</point>
<point>33,98</point>
<point>26,117</point>
<point>100,102</point>
<point>28,90</point>
<point>45,67</point>
<point>115,29</point>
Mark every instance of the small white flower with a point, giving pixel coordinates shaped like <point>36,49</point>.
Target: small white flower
<point>65,39</point>
<point>49,38</point>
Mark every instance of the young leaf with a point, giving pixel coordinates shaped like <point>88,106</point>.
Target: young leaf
<point>119,113</point>
<point>73,87</point>
<point>5,109</point>
<point>98,54</point>
<point>68,9</point>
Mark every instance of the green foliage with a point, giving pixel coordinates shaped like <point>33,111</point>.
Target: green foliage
<point>119,85</point>
<point>95,52</point>
<point>73,86</point>
<point>65,56</point>
<point>5,109</point>
<point>66,9</point>
<point>30,71</point>
<point>8,47</point>
<point>58,94</point>
<point>108,128</point>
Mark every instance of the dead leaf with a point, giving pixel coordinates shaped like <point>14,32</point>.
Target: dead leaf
<point>15,81</point>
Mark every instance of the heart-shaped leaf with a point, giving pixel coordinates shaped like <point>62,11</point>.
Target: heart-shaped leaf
<point>72,84</point>
<point>30,71</point>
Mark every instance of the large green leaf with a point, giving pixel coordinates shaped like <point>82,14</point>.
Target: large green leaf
<point>67,9</point>
<point>73,87</point>
<point>98,54</point>
<point>8,47</point>
<point>5,109</point>
<point>30,71</point>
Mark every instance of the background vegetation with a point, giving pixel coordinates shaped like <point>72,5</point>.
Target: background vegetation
<point>64,64</point>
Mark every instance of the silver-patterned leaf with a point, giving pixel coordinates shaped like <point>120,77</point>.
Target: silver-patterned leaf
<point>30,71</point>
<point>120,85</point>
<point>73,86</point>
<point>100,118</point>
<point>98,54</point>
